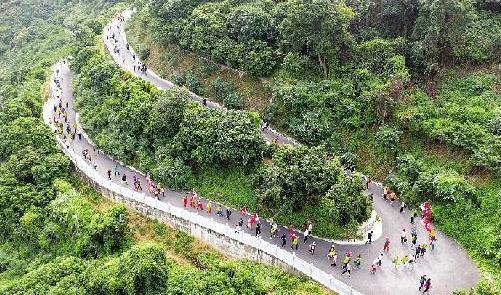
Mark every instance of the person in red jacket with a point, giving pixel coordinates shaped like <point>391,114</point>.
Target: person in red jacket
<point>386,247</point>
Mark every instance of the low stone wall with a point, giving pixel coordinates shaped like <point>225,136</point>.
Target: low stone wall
<point>221,242</point>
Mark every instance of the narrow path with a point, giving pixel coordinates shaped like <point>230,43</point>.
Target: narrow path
<point>448,266</point>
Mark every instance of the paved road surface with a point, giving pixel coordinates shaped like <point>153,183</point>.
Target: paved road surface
<point>448,266</point>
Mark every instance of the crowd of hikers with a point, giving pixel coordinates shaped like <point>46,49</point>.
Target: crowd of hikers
<point>416,247</point>
<point>137,65</point>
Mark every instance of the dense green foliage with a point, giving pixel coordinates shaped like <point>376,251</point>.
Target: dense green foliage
<point>302,177</point>
<point>179,141</point>
<point>57,235</point>
<point>406,88</point>
<point>159,131</point>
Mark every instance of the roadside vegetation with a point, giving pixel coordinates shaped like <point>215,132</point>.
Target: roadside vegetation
<point>57,235</point>
<point>407,92</point>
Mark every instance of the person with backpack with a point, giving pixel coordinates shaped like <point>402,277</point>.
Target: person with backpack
<point>369,237</point>
<point>422,280</point>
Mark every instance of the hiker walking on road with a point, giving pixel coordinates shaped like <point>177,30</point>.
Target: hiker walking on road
<point>258,229</point>
<point>109,174</point>
<point>405,260</point>
<point>332,255</point>
<point>374,267</point>
<point>193,201</point>
<point>294,242</point>
<point>413,241</point>
<point>395,261</point>
<point>209,207</point>
<point>422,281</point>
<point>427,286</point>
<point>380,260</point>
<point>306,235</point>
<point>369,237</point>
<point>357,262</point>
<point>414,216</point>
<point>284,239</point>
<point>238,226</point>
<point>347,269</point>
<point>423,249</point>
<point>386,246</point>
<point>312,248</point>
<point>433,239</point>
<point>402,207</point>
<point>116,170</point>
<point>124,179</point>
<point>403,236</point>
<point>250,221</point>
<point>417,252</point>
<point>273,229</point>
<point>368,182</point>
<point>228,213</point>
<point>185,201</point>
<point>219,211</point>
<point>244,211</point>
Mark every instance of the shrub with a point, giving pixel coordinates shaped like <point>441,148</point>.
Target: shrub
<point>389,138</point>
<point>293,64</point>
<point>495,124</point>
<point>178,79</point>
<point>143,270</point>
<point>233,101</point>
<point>173,174</point>
<point>416,184</point>
<point>297,176</point>
<point>143,52</point>
<point>222,88</point>
<point>312,128</point>
<point>350,204</point>
<point>193,83</point>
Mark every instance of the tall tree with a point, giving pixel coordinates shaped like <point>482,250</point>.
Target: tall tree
<point>440,26</point>
<point>318,28</point>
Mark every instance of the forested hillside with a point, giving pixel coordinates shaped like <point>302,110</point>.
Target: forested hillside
<point>406,91</point>
<point>57,235</point>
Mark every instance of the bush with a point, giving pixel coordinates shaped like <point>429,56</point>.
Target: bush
<point>193,83</point>
<point>296,177</point>
<point>233,101</point>
<point>178,79</point>
<point>495,124</point>
<point>143,270</point>
<point>415,184</point>
<point>313,128</point>
<point>222,88</point>
<point>389,138</point>
<point>143,52</point>
<point>293,64</point>
<point>173,173</point>
<point>350,204</point>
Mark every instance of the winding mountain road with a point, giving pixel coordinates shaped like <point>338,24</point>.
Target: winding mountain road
<point>448,266</point>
